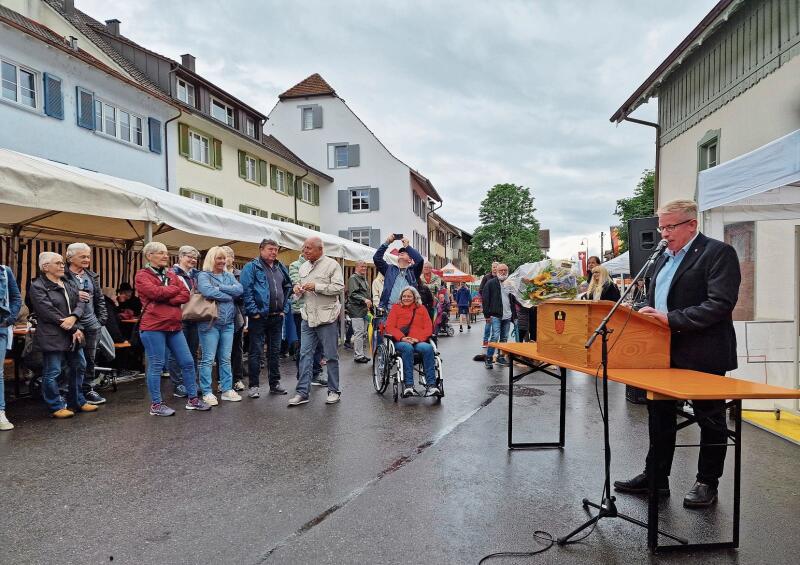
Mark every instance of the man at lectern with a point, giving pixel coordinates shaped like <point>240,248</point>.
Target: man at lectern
<point>694,288</point>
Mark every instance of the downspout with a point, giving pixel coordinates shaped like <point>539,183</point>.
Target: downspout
<point>658,156</point>
<point>166,137</point>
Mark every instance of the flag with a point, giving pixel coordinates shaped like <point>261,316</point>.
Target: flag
<point>615,240</point>
<point>582,261</point>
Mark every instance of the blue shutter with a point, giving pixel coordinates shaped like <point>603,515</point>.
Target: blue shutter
<point>154,129</point>
<point>53,97</point>
<point>85,103</point>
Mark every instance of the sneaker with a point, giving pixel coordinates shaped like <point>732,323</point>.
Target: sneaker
<point>63,413</point>
<point>210,399</point>
<point>319,381</point>
<point>433,391</point>
<point>485,344</point>
<point>333,397</point>
<point>238,386</point>
<point>461,329</point>
<point>361,359</point>
<point>197,404</point>
<point>469,327</point>
<point>488,363</point>
<point>231,396</point>
<point>180,392</point>
<point>253,392</point>
<point>277,389</point>
<point>4,423</point>
<point>501,360</point>
<point>161,409</point>
<point>297,400</point>
<point>408,391</point>
<point>87,408</point>
<point>93,398</point>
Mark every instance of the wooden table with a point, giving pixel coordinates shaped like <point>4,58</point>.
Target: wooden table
<point>660,385</point>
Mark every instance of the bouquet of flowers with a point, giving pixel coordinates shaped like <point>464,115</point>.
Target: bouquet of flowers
<point>533,283</point>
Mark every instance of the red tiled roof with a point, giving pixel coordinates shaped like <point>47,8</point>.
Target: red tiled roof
<point>314,85</point>
<point>425,185</point>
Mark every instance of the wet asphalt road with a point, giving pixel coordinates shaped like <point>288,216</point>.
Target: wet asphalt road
<point>364,481</point>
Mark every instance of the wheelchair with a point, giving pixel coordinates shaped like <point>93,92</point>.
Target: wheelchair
<point>387,367</point>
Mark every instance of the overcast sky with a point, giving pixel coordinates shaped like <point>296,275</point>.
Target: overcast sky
<point>469,93</point>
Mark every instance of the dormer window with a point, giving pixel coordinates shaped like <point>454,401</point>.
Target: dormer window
<point>186,92</point>
<point>251,127</point>
<point>222,112</point>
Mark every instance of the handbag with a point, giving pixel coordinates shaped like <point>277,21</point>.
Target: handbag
<point>406,329</point>
<point>199,309</point>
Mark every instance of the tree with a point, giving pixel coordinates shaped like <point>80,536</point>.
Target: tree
<point>640,205</point>
<point>508,232</point>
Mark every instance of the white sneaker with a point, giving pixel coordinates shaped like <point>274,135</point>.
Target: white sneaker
<point>210,399</point>
<point>4,423</point>
<point>433,391</point>
<point>408,391</point>
<point>333,397</point>
<point>297,400</point>
<point>231,396</point>
<point>238,386</point>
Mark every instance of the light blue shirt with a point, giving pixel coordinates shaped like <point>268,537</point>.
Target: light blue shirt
<point>667,272</point>
<point>400,284</point>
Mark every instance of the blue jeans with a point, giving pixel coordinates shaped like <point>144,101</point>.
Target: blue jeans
<point>487,329</point>
<point>216,341</point>
<point>328,335</point>
<point>406,351</point>
<point>269,329</point>
<point>192,340</point>
<point>3,345</point>
<point>499,334</point>
<point>51,369</point>
<point>317,368</point>
<point>156,346</point>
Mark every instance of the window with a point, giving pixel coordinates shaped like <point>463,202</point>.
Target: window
<point>281,218</point>
<point>199,148</point>
<point>308,118</point>
<point>125,126</point>
<point>118,123</point>
<point>251,168</point>
<point>343,155</point>
<point>222,112</point>
<point>340,157</point>
<point>280,181</point>
<point>307,192</point>
<point>360,236</point>
<point>420,243</point>
<point>359,200</point>
<point>419,205</point>
<point>186,92</point>
<point>314,227</point>
<point>251,127</point>
<point>137,130</point>
<point>18,84</point>
<point>253,211</point>
<point>201,197</point>
<point>708,150</point>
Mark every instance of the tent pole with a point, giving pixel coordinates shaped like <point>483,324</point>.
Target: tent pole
<point>342,315</point>
<point>148,232</point>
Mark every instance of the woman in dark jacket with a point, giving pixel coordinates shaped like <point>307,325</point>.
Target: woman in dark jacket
<point>161,327</point>
<point>59,336</point>
<point>601,287</point>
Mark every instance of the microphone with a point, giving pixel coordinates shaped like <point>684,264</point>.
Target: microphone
<point>659,249</point>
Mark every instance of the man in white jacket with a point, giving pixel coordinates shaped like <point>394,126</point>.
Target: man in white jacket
<point>321,283</point>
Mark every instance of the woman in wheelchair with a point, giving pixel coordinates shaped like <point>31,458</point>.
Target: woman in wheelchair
<point>409,325</point>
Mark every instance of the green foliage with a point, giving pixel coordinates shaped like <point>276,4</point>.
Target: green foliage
<point>640,205</point>
<point>508,232</point>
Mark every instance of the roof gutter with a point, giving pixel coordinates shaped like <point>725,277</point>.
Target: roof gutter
<point>658,156</point>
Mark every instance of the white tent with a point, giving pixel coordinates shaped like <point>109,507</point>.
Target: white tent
<point>41,196</point>
<point>753,202</point>
<point>619,265</point>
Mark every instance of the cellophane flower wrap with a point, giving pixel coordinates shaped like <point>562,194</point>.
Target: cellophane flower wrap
<point>533,283</point>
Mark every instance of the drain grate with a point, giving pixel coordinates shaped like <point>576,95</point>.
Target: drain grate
<point>519,390</point>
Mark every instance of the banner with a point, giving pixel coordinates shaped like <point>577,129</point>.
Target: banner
<point>615,240</point>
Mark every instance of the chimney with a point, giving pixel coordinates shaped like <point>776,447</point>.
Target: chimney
<point>73,42</point>
<point>112,26</point>
<point>69,7</point>
<point>187,61</point>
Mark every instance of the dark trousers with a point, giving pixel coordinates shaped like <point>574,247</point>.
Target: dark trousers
<point>316,369</point>
<point>264,329</point>
<point>91,338</point>
<point>710,416</point>
<point>237,354</point>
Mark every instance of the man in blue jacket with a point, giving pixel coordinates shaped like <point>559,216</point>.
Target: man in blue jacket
<point>266,289</point>
<point>463,300</point>
<point>397,277</point>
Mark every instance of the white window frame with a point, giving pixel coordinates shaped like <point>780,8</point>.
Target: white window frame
<point>357,195</point>
<point>307,119</point>
<point>208,145</point>
<point>229,112</point>
<point>189,91</point>
<point>37,104</point>
<point>200,197</point>
<point>250,127</point>
<point>360,235</point>
<point>250,168</point>
<point>307,192</point>
<point>336,164</point>
<point>252,210</point>
<point>280,181</point>
<point>136,130</point>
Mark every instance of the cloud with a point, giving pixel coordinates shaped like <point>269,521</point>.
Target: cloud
<point>470,93</point>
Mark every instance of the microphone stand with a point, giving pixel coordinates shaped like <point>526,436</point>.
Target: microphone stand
<point>607,508</point>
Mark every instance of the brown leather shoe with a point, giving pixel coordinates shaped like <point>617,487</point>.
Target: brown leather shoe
<point>88,408</point>
<point>63,413</point>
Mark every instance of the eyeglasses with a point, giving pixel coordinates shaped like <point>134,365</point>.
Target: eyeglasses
<point>671,227</point>
<point>56,263</point>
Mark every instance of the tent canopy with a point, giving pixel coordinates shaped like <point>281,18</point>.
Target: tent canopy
<point>45,196</point>
<point>619,265</point>
<point>450,273</point>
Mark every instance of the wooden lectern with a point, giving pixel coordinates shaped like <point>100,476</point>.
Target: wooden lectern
<point>564,326</point>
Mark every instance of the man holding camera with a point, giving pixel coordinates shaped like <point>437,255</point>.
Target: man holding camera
<point>397,277</point>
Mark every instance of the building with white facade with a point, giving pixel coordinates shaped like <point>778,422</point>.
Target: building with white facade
<point>60,102</point>
<point>374,193</point>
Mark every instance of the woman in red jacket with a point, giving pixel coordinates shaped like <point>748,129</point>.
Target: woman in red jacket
<point>410,327</point>
<point>161,328</point>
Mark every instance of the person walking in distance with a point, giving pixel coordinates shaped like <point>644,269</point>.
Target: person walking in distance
<point>463,298</point>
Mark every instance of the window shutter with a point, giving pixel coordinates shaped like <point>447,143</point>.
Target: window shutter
<point>185,192</point>
<point>154,130</point>
<point>289,183</point>
<point>53,97</point>
<point>374,238</point>
<point>317,116</point>
<point>262,173</point>
<point>216,145</point>
<point>331,157</point>
<point>344,201</point>
<point>243,208</point>
<point>374,200</point>
<point>275,216</point>
<point>353,155</point>
<point>344,234</point>
<point>315,196</point>
<point>263,213</point>
<point>183,139</point>
<point>218,202</point>
<point>85,101</point>
<point>273,177</point>
<point>242,165</point>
